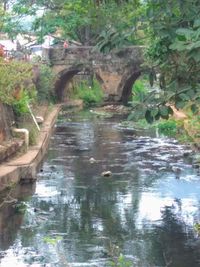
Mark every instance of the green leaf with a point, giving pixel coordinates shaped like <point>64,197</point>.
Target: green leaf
<point>195,55</point>
<point>191,94</point>
<point>164,111</point>
<point>197,100</point>
<point>170,110</point>
<point>52,240</point>
<point>154,111</point>
<point>162,81</point>
<point>149,118</point>
<point>184,96</point>
<point>131,116</point>
<point>196,23</point>
<point>194,108</point>
<point>157,117</point>
<point>151,78</point>
<point>193,45</point>
<point>180,104</point>
<point>179,46</point>
<point>185,32</point>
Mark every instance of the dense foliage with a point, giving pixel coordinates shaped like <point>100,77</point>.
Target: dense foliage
<point>169,28</point>
<point>174,30</point>
<point>45,85</point>
<point>16,86</point>
<point>89,94</point>
<point>80,20</point>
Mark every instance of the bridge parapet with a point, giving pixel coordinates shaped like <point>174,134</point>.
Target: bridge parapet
<point>131,54</point>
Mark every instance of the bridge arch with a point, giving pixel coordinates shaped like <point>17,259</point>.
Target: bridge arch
<point>64,77</point>
<point>126,84</point>
<point>123,84</point>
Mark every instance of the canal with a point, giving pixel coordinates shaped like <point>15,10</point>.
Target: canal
<point>143,215</point>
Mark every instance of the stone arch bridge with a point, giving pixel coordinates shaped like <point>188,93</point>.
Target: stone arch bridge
<point>116,71</point>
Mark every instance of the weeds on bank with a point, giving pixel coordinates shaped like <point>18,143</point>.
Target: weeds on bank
<point>21,207</point>
<point>193,126</point>
<point>121,261</point>
<point>168,128</point>
<point>117,258</point>
<point>140,124</point>
<point>197,228</point>
<point>89,94</point>
<point>45,85</point>
<point>139,91</point>
<point>174,128</point>
<point>52,240</point>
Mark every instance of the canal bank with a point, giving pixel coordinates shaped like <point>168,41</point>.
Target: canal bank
<point>25,166</point>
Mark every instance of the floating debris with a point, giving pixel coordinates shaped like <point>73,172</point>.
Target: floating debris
<point>92,160</point>
<point>106,173</point>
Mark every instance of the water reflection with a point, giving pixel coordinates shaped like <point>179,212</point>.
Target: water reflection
<point>148,207</point>
<point>11,218</point>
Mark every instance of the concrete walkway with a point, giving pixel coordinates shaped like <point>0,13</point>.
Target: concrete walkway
<point>25,167</point>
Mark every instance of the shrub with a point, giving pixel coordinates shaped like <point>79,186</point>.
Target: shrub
<point>20,106</point>
<point>45,85</point>
<point>168,128</point>
<point>16,86</point>
<point>121,261</point>
<point>33,134</point>
<point>15,78</point>
<point>139,91</point>
<point>89,95</point>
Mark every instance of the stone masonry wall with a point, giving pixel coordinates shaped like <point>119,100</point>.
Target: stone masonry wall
<point>6,122</point>
<point>116,71</point>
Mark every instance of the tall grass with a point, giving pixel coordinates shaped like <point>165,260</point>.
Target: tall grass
<point>139,91</point>
<point>89,94</point>
<point>168,127</point>
<point>45,85</point>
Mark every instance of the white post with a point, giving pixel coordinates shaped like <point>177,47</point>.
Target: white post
<point>34,119</point>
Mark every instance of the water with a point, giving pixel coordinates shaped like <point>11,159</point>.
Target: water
<point>146,210</point>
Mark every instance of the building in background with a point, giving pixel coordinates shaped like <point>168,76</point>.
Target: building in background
<point>8,47</point>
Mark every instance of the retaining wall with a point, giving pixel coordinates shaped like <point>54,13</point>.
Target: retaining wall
<point>6,122</point>
<point>25,166</point>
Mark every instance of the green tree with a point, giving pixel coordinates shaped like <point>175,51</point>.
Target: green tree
<point>80,20</point>
<point>1,18</point>
<point>174,30</point>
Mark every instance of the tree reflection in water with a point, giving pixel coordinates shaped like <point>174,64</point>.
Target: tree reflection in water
<point>140,209</point>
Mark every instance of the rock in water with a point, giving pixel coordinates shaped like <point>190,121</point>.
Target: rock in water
<point>92,160</point>
<point>106,173</point>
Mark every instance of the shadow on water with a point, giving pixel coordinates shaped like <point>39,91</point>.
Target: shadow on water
<point>147,209</point>
<point>11,212</point>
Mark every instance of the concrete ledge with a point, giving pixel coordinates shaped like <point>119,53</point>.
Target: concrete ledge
<point>25,166</point>
<point>8,176</point>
